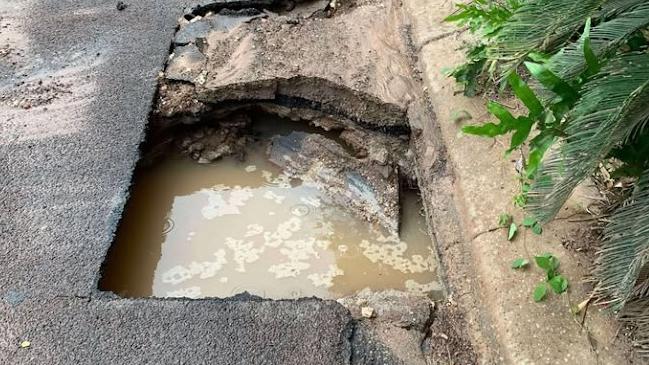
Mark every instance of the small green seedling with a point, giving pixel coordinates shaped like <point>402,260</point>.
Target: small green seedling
<point>557,282</point>
<point>548,263</point>
<point>520,263</point>
<point>505,219</point>
<point>533,224</point>
<point>512,231</point>
<point>540,292</point>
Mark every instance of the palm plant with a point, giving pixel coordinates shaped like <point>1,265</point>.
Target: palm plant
<point>588,99</point>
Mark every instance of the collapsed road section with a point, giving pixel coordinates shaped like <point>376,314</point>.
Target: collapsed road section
<point>283,160</point>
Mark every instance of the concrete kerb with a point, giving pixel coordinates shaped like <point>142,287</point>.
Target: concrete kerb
<point>505,324</point>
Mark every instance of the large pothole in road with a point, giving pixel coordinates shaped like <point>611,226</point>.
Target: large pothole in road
<point>278,161</point>
<point>272,207</point>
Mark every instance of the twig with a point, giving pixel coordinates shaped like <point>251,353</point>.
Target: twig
<point>440,36</point>
<point>494,229</point>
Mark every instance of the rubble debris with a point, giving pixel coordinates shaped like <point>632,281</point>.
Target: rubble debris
<point>367,312</point>
<point>196,30</point>
<point>298,60</point>
<point>186,64</point>
<point>368,189</point>
<point>208,144</point>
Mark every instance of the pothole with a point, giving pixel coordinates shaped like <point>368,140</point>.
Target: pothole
<point>198,226</point>
<point>278,161</point>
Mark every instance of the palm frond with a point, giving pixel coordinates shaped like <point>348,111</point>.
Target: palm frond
<point>613,105</point>
<point>539,25</point>
<point>614,7</point>
<point>605,38</point>
<point>636,314</point>
<point>625,250</point>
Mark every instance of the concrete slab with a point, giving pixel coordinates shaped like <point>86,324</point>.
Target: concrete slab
<point>100,331</point>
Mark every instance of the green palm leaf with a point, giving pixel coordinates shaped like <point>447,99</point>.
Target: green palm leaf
<point>612,107</point>
<point>614,7</point>
<point>539,25</point>
<point>625,250</point>
<point>605,38</point>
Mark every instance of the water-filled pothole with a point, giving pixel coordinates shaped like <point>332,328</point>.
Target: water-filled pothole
<point>245,224</point>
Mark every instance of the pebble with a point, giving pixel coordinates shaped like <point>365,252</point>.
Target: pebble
<point>367,312</point>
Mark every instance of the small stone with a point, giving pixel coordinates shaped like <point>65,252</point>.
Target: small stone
<point>25,344</point>
<point>195,147</point>
<point>210,155</point>
<point>121,5</point>
<point>367,312</point>
<point>379,154</point>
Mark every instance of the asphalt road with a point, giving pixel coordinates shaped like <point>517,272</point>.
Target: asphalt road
<point>65,169</point>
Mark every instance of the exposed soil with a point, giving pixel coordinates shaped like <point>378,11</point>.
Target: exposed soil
<point>447,341</point>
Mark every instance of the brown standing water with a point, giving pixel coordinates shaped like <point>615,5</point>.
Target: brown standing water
<point>216,230</point>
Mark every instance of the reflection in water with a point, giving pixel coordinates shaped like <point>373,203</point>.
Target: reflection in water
<point>193,230</point>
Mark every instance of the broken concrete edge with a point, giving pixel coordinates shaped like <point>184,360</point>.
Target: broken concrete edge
<point>444,227</point>
<point>397,319</point>
<point>203,7</point>
<point>301,91</point>
<point>439,198</point>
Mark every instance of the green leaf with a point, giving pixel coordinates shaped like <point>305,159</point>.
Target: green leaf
<point>507,122</point>
<point>520,263</point>
<point>540,292</point>
<point>613,107</point>
<point>523,129</point>
<point>538,146</point>
<point>625,249</point>
<point>457,17</point>
<point>529,221</point>
<point>520,200</point>
<point>559,284</point>
<point>552,82</point>
<point>505,219</point>
<point>605,38</point>
<point>512,231</point>
<point>537,228</point>
<point>592,63</point>
<point>539,57</point>
<point>526,95</point>
<point>547,262</point>
<point>485,130</point>
<point>500,111</point>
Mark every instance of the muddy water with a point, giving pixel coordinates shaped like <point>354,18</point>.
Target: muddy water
<point>193,230</point>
